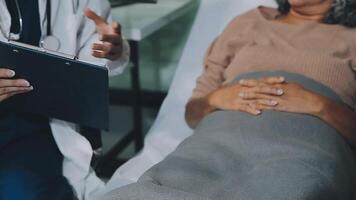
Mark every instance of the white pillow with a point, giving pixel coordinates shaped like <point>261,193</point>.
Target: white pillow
<point>240,6</point>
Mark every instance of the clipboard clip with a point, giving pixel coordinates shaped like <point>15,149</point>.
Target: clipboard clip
<point>27,46</point>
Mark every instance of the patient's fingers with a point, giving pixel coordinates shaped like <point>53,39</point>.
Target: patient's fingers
<point>275,104</point>
<point>262,81</point>
<point>249,109</point>
<point>254,96</point>
<point>264,102</point>
<point>252,111</point>
<point>266,107</point>
<point>253,92</point>
<point>6,73</point>
<point>261,106</point>
<point>268,90</point>
<point>273,80</point>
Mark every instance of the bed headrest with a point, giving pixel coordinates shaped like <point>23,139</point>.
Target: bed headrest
<point>236,7</point>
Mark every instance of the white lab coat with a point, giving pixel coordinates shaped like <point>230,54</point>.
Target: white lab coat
<point>76,34</point>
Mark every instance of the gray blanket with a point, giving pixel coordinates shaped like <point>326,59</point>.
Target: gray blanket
<point>275,156</point>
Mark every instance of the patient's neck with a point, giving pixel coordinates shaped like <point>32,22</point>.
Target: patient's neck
<point>295,17</point>
<point>308,14</point>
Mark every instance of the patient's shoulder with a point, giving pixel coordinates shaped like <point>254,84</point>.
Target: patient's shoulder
<point>251,18</point>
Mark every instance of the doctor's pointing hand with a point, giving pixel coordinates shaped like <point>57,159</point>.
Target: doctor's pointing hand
<point>109,35</point>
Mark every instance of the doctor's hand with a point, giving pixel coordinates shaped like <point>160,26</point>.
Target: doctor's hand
<point>111,45</point>
<point>10,87</point>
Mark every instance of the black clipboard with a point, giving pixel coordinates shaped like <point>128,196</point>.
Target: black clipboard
<point>116,3</point>
<point>64,87</point>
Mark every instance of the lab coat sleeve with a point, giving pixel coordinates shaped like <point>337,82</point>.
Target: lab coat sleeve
<point>87,36</point>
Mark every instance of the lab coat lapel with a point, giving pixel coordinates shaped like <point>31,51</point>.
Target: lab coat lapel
<point>5,17</point>
<point>5,20</point>
<point>64,23</point>
<point>42,10</point>
<point>66,27</point>
<point>70,35</point>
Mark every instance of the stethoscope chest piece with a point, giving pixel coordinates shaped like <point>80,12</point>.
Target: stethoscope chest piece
<point>12,36</point>
<point>51,43</point>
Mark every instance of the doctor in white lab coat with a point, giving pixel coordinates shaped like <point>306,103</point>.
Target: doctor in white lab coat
<point>92,37</point>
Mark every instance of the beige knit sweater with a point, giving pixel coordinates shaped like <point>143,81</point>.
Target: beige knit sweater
<point>254,42</point>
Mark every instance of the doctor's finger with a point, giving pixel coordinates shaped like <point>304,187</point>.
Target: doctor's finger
<point>6,73</point>
<point>98,54</point>
<point>116,27</point>
<point>14,83</point>
<point>106,47</point>
<point>114,39</point>
<point>102,54</point>
<point>10,90</point>
<point>93,16</point>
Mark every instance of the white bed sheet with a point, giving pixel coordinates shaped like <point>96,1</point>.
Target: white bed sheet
<point>170,129</point>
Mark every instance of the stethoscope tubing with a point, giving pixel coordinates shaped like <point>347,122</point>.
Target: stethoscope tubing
<point>75,5</point>
<point>18,10</point>
<point>20,18</point>
<point>49,42</point>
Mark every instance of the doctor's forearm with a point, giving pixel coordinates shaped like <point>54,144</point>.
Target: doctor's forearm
<point>341,118</point>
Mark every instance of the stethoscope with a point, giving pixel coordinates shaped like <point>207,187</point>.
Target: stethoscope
<point>49,42</point>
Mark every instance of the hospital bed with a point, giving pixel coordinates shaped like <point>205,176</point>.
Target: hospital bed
<point>170,129</point>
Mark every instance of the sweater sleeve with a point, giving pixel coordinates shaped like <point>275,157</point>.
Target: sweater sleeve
<point>212,76</point>
<point>217,58</point>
